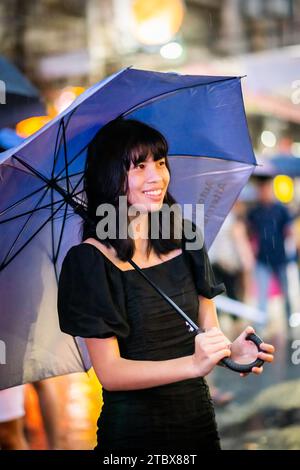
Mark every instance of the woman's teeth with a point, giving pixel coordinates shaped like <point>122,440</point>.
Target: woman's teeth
<point>157,192</point>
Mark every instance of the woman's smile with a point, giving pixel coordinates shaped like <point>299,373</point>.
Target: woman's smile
<point>155,194</point>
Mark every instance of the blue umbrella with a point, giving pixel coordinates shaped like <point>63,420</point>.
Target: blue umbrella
<point>286,165</point>
<point>281,164</point>
<point>211,159</point>
<point>9,138</point>
<point>18,97</point>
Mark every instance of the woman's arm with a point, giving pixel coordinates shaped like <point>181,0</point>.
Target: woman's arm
<point>116,373</point>
<point>207,315</point>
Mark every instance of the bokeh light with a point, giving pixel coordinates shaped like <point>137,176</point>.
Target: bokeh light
<point>156,21</point>
<point>31,125</point>
<point>284,188</point>
<point>268,138</point>
<point>172,50</point>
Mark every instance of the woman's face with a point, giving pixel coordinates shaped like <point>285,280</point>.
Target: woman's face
<point>147,184</point>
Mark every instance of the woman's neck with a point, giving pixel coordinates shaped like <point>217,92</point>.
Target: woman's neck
<point>139,233</point>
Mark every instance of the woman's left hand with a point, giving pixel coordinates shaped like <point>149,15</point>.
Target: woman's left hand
<point>244,351</point>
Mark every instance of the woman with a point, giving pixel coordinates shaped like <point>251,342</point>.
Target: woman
<point>151,368</point>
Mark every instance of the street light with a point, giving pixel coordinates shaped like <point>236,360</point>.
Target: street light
<point>155,22</point>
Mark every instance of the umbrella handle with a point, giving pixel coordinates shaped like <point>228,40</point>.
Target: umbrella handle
<point>244,368</point>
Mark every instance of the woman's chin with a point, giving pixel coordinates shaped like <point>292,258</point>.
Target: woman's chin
<point>148,206</point>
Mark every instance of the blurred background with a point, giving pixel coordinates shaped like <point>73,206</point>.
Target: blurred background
<point>51,51</point>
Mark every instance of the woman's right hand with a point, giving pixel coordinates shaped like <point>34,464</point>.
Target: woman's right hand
<point>210,347</point>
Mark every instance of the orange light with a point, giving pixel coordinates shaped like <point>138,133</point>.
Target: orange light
<point>156,21</point>
<point>31,125</point>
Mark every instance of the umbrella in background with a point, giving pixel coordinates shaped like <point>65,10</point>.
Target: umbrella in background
<point>41,202</point>
<point>9,138</point>
<point>286,165</point>
<point>19,99</point>
<point>281,164</point>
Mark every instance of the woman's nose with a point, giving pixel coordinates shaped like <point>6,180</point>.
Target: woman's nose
<point>153,174</point>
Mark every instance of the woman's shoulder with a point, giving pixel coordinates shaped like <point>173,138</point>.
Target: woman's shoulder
<point>80,251</point>
<point>83,256</point>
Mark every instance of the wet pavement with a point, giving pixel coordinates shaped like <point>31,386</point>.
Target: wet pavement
<point>265,413</point>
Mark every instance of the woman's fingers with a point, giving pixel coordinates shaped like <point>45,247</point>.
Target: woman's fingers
<point>215,335</point>
<point>214,347</point>
<point>218,356</point>
<point>212,332</point>
<point>218,339</point>
<point>249,330</point>
<point>267,347</point>
<point>265,357</point>
<point>257,370</point>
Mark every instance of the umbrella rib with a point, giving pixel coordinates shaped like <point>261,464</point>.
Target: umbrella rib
<point>186,155</point>
<point>52,183</point>
<point>57,146</point>
<point>55,253</point>
<point>71,176</point>
<point>22,170</point>
<point>20,232</point>
<point>3,265</point>
<point>29,195</point>
<point>65,156</point>
<point>56,149</point>
<point>73,159</point>
<point>22,200</point>
<point>33,170</point>
<point>46,206</point>
<point>166,93</point>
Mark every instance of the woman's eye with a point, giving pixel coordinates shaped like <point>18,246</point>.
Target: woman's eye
<point>141,165</point>
<point>162,163</point>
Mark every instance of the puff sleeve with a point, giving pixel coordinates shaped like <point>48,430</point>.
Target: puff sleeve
<point>90,303</point>
<point>201,268</point>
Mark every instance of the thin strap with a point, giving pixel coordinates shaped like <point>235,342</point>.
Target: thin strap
<point>192,326</point>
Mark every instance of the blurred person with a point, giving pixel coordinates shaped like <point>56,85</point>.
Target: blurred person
<point>269,226</point>
<point>12,414</point>
<point>232,262</point>
<point>232,255</point>
<point>48,399</point>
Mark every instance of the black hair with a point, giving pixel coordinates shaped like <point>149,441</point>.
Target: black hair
<point>109,156</point>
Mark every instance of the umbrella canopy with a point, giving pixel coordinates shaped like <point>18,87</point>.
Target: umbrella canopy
<point>9,139</point>
<point>211,159</point>
<point>19,98</point>
<point>281,164</point>
<point>286,165</point>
